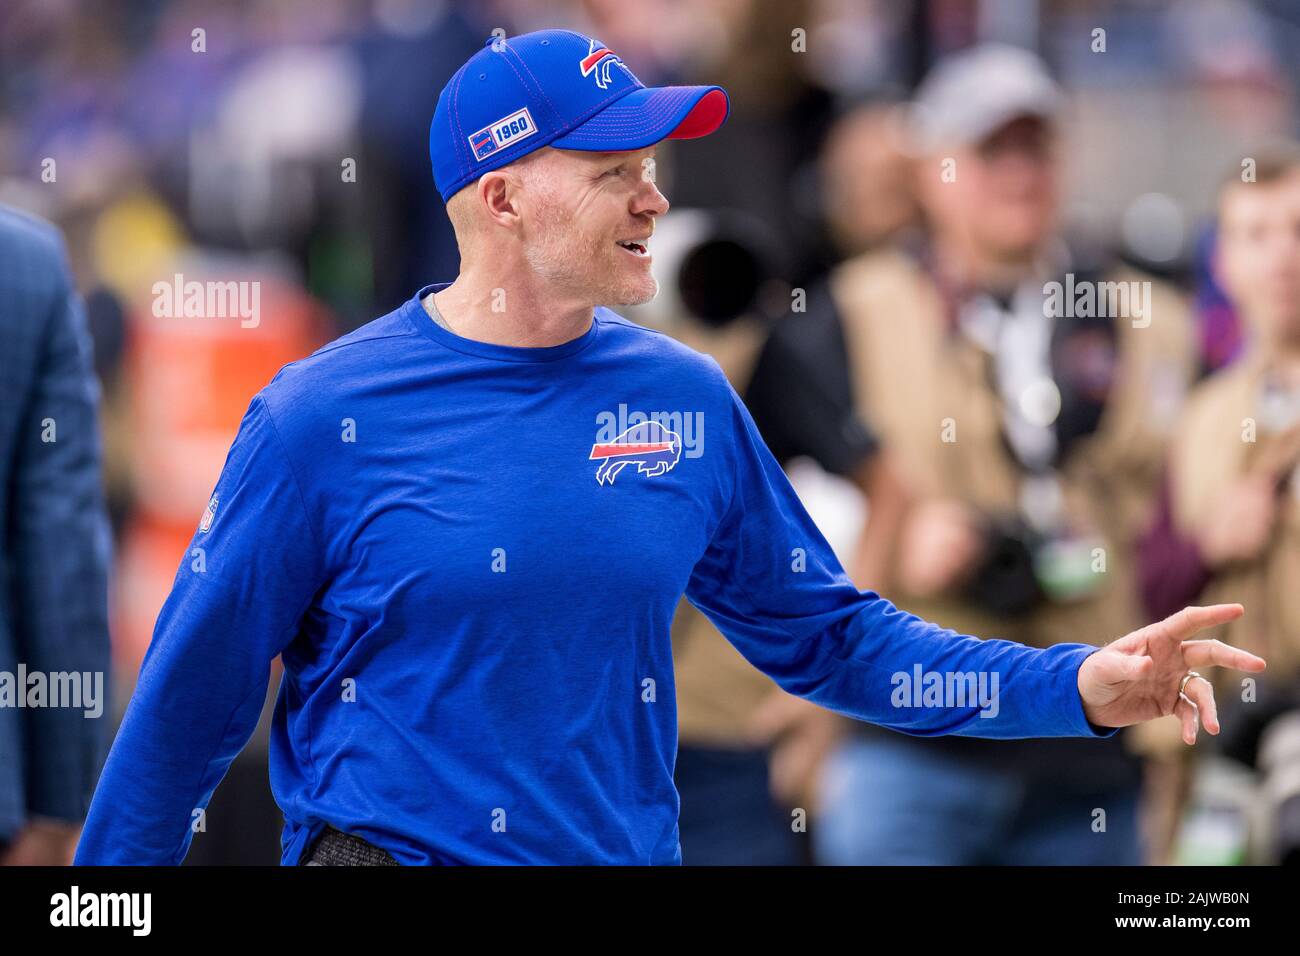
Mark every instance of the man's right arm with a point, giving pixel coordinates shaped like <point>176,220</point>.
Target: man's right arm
<point>250,572</point>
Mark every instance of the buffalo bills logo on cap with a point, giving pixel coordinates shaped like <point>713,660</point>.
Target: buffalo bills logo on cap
<point>653,448</point>
<point>598,60</point>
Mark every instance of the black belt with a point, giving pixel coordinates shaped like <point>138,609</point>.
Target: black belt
<point>336,848</point>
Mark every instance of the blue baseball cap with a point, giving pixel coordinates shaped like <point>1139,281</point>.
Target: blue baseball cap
<point>555,88</point>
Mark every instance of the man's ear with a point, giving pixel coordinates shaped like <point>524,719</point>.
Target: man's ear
<point>498,191</point>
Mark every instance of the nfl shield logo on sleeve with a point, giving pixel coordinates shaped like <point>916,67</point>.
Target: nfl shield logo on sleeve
<point>208,514</point>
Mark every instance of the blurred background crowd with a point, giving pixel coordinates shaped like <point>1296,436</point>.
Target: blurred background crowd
<point>865,248</point>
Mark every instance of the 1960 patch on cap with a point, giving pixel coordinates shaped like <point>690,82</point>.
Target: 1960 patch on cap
<point>504,132</point>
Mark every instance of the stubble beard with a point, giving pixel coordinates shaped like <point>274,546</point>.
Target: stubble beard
<point>564,256</point>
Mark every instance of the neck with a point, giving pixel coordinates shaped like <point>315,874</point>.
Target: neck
<point>972,267</point>
<point>512,306</point>
<point>1284,366</point>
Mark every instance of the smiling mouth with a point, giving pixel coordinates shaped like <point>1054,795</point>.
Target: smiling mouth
<point>635,248</point>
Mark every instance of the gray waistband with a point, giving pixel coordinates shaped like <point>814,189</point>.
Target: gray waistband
<point>336,848</point>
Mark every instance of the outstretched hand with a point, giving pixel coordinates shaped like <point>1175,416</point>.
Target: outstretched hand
<point>1140,676</point>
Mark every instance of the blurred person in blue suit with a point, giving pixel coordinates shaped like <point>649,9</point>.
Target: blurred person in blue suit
<point>54,599</point>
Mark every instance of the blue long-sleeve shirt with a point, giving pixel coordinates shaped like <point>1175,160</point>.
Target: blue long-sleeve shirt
<point>468,556</point>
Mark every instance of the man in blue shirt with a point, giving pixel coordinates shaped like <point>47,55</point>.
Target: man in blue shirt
<point>465,527</point>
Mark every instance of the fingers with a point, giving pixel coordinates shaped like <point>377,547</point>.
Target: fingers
<point>1219,654</point>
<point>1196,705</point>
<point>1187,717</point>
<point>1130,667</point>
<point>1201,693</point>
<point>1191,620</point>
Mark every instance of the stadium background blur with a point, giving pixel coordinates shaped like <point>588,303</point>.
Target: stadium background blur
<point>234,163</point>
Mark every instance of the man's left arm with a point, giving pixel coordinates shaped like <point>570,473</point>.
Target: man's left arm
<point>772,585</point>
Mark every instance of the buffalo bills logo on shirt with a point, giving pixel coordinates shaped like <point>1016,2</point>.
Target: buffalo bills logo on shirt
<point>598,61</point>
<point>653,448</point>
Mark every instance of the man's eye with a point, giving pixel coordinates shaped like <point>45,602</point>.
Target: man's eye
<point>614,172</point>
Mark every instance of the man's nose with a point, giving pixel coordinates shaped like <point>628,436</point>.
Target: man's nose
<point>649,200</point>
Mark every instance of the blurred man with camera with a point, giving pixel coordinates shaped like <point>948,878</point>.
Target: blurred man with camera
<point>1025,392</point>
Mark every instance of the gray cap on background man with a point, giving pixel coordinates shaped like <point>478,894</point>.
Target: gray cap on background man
<point>969,95</point>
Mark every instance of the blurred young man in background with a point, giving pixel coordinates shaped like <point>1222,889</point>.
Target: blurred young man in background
<point>1230,517</point>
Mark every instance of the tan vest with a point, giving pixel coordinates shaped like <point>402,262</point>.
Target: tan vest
<point>914,376</point>
<point>717,689</point>
<point>1211,451</point>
